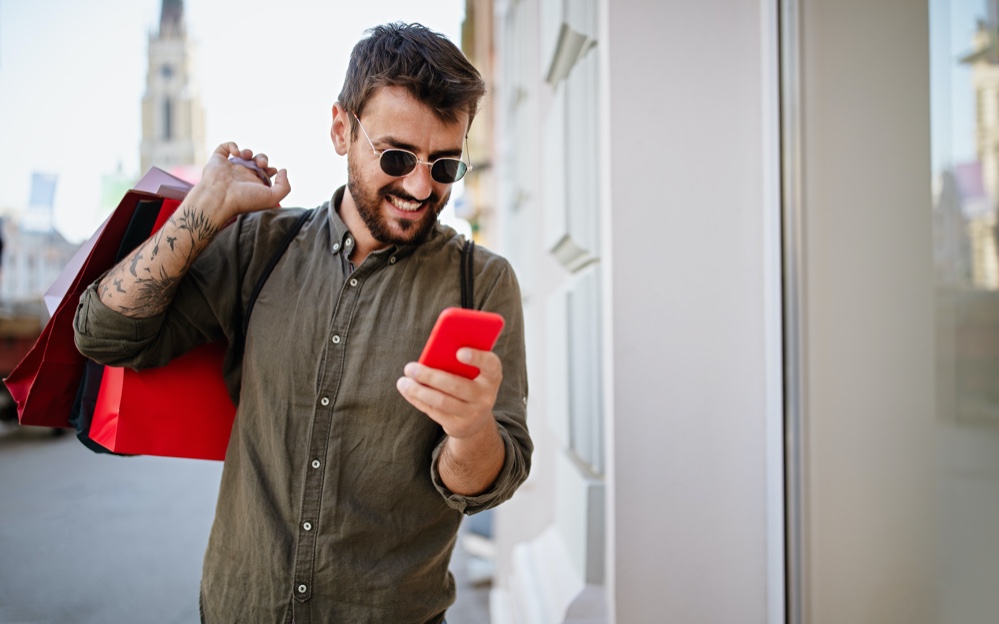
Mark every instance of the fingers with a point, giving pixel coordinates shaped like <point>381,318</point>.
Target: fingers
<point>488,363</point>
<point>230,148</point>
<point>459,419</point>
<point>463,412</point>
<point>482,389</point>
<point>430,401</point>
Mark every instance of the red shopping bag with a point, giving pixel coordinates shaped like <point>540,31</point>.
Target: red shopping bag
<point>179,410</point>
<point>45,381</point>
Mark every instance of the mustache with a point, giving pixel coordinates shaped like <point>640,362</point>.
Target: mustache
<point>401,194</point>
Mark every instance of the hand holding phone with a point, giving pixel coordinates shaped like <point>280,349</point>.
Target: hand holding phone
<point>457,328</point>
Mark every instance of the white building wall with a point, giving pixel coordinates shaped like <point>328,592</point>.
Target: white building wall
<point>686,267</point>
<point>690,280</point>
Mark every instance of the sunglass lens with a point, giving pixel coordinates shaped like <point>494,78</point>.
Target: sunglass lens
<point>448,170</point>
<point>397,162</point>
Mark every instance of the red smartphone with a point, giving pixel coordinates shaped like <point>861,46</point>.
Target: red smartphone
<point>457,328</point>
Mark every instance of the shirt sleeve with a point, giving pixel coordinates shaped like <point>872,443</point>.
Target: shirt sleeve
<point>500,294</point>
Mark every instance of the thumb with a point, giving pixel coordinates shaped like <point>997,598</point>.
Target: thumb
<point>281,186</point>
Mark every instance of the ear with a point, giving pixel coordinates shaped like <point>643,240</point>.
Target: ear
<point>340,131</point>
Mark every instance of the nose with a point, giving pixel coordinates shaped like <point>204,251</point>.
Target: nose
<point>418,183</point>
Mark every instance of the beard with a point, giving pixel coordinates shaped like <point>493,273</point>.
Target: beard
<point>369,205</point>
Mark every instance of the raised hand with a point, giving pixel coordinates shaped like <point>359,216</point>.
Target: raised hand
<point>144,283</point>
<point>227,188</point>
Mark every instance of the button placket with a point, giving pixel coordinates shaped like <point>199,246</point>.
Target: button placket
<point>321,440</point>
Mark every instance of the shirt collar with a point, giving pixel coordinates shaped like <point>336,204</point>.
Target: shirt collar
<point>340,236</point>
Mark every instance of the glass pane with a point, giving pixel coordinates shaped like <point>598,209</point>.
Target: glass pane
<point>585,398</point>
<point>965,129</point>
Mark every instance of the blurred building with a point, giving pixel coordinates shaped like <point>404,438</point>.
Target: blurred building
<point>173,120</point>
<point>978,182</point>
<point>33,251</point>
<point>32,260</point>
<point>477,205</point>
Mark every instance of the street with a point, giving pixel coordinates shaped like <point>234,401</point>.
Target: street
<point>99,539</point>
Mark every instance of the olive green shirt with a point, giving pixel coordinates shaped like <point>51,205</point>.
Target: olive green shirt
<point>331,507</point>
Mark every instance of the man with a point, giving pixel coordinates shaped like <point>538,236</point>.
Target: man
<point>349,464</point>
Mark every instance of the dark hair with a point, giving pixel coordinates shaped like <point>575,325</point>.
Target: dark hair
<point>426,63</point>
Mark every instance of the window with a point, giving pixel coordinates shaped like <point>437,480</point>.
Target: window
<point>167,119</point>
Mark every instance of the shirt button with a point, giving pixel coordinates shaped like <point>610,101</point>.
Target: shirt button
<point>336,246</point>
<point>392,260</point>
<point>348,242</point>
<point>353,282</point>
<point>325,401</point>
<point>336,339</point>
<point>302,589</point>
<point>307,526</point>
<point>315,463</point>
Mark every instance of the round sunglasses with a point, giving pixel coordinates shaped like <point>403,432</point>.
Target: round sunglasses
<point>399,162</point>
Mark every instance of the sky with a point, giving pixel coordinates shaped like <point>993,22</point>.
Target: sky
<point>73,73</point>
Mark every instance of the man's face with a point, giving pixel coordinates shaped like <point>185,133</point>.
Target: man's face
<point>400,210</point>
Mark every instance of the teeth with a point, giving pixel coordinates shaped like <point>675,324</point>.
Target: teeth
<point>401,204</point>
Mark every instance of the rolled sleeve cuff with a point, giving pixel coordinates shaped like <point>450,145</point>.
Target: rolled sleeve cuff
<point>102,333</point>
<point>510,476</point>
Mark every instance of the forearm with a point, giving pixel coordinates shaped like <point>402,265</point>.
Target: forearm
<point>469,466</point>
<point>144,283</point>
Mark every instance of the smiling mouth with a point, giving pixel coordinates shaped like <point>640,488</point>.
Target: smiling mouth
<point>404,205</point>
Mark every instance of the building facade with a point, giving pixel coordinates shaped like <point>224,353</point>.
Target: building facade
<point>173,120</point>
<point>757,392</point>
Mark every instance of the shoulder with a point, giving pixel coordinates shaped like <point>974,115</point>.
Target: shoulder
<point>491,271</point>
<point>447,244</point>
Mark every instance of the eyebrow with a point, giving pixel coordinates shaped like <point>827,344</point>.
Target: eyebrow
<point>399,144</point>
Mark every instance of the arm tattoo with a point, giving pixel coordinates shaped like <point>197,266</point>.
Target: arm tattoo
<point>197,224</point>
<point>153,277</point>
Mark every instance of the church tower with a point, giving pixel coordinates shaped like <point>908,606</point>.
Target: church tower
<point>173,121</point>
